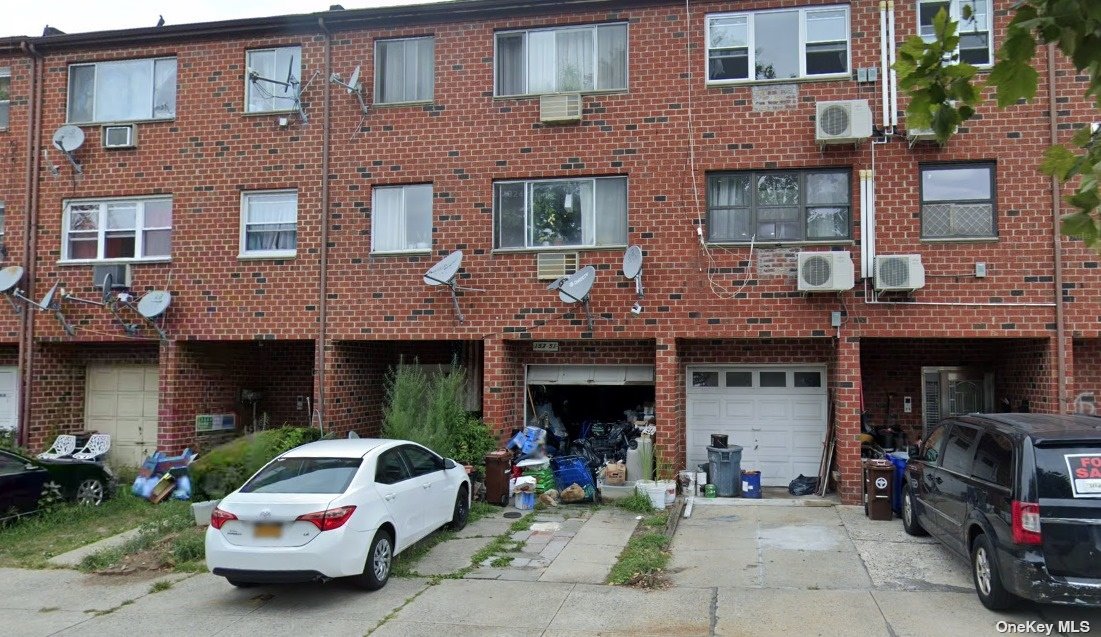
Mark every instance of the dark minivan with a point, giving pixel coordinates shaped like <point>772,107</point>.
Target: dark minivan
<point>1020,496</point>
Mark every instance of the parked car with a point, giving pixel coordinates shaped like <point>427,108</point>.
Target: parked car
<point>335,508</point>
<point>24,481</point>
<point>1019,495</point>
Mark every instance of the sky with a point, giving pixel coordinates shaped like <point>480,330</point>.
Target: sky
<point>75,16</point>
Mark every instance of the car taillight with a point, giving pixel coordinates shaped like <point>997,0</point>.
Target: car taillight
<point>1026,523</point>
<point>218,517</point>
<point>329,519</point>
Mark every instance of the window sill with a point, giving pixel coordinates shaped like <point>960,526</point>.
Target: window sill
<point>836,77</point>
<point>272,256</point>
<point>401,104</point>
<point>123,122</point>
<point>266,113</point>
<point>531,96</point>
<point>539,249</point>
<point>65,262</point>
<point>782,244</point>
<point>401,253</point>
<point>959,239</point>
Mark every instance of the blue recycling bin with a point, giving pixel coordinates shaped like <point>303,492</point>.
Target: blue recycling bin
<point>898,459</point>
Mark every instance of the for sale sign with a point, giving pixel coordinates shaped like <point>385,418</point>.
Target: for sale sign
<point>1085,474</point>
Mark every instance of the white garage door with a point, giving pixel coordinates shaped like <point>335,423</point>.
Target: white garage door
<point>122,400</point>
<point>777,414</point>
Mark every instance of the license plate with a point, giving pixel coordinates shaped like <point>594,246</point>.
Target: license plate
<point>268,530</point>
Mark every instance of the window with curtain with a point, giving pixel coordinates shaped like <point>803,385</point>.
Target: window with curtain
<point>957,201</point>
<point>557,213</point>
<point>122,91</point>
<point>976,44</point>
<point>562,60</point>
<point>778,44</point>
<point>405,70</point>
<point>779,205</point>
<point>129,229</point>
<point>269,223</point>
<point>401,219</point>
<point>5,97</point>
<point>274,64</point>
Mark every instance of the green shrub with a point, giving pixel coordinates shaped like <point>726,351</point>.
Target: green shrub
<point>430,410</point>
<point>189,546</point>
<point>471,440</point>
<point>225,468</point>
<point>404,417</point>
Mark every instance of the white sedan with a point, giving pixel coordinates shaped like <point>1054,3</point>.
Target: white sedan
<point>335,508</point>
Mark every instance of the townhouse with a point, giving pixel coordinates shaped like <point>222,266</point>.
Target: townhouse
<point>755,151</point>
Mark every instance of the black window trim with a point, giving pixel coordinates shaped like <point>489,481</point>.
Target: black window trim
<point>978,163</point>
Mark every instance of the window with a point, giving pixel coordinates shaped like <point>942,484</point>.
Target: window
<point>122,91</point>
<point>930,449</point>
<point>274,64</point>
<point>401,219</point>
<point>269,223</point>
<point>973,16</point>
<point>562,60</point>
<point>705,379</point>
<point>404,70</point>
<point>10,466</point>
<point>391,468</point>
<point>779,206</point>
<point>960,449</point>
<point>777,45</point>
<point>957,202</point>
<point>421,461</point>
<point>739,379</point>
<point>774,379</point>
<point>808,379</point>
<point>561,213</point>
<point>5,97</point>
<point>119,229</point>
<point>994,459</point>
<point>304,475</point>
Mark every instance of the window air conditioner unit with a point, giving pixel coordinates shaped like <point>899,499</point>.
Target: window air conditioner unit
<point>843,122</point>
<point>120,275</point>
<point>826,271</point>
<point>560,108</point>
<point>120,136</point>
<point>902,272</point>
<point>550,266</point>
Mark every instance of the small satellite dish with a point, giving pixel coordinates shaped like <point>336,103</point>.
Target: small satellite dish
<point>557,283</point>
<point>10,277</point>
<point>68,138</point>
<point>576,287</point>
<point>443,273</point>
<point>48,300</point>
<point>354,88</point>
<point>353,82</point>
<point>632,267</point>
<point>108,283</point>
<point>154,304</point>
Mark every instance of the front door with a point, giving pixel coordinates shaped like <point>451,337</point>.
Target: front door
<point>954,391</point>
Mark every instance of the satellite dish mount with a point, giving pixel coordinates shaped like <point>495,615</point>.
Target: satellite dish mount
<point>292,88</point>
<point>576,288</point>
<point>354,87</point>
<point>444,273</point>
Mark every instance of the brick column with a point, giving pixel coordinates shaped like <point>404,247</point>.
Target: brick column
<point>174,430</point>
<point>669,402</point>
<point>496,382</point>
<point>846,395</point>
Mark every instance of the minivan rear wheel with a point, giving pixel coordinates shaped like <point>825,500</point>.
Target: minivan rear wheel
<point>909,515</point>
<point>988,581</point>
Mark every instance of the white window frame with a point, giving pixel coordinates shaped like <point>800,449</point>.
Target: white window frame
<point>5,72</point>
<point>139,229</point>
<point>752,55</point>
<point>245,253</point>
<point>956,14</point>
<point>288,98</point>
<point>596,58</point>
<point>528,184</point>
<point>95,76</point>
<point>379,74</point>
<point>374,210</point>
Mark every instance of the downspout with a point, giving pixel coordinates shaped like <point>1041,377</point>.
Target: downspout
<point>30,224</point>
<point>891,61</point>
<point>323,278</point>
<point>886,71</point>
<point>1057,242</point>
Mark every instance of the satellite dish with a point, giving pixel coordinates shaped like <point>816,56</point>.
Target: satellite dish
<point>632,267</point>
<point>48,300</point>
<point>576,287</point>
<point>443,273</point>
<point>353,82</point>
<point>68,138</point>
<point>557,283</point>
<point>10,277</point>
<point>108,283</point>
<point>154,304</point>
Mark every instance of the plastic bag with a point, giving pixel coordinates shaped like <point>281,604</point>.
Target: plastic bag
<point>803,485</point>
<point>544,479</point>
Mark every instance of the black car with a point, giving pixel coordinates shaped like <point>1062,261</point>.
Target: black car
<point>24,481</point>
<point>1019,495</point>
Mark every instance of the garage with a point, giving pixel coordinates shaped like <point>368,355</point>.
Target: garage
<point>122,400</point>
<point>776,413</point>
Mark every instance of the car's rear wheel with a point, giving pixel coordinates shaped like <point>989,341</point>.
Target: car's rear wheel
<point>462,510</point>
<point>90,492</point>
<point>909,515</point>
<point>380,559</point>
<point>984,572</point>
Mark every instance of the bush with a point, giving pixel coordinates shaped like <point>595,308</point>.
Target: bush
<point>471,440</point>
<point>225,468</point>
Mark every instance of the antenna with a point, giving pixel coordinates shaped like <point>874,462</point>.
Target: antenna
<point>153,305</point>
<point>444,273</point>
<point>632,267</point>
<point>354,88</point>
<point>290,85</point>
<point>576,288</point>
<point>67,139</point>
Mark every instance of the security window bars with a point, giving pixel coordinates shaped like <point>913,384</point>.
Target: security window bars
<point>404,70</point>
<point>401,219</point>
<point>5,97</point>
<point>779,205</point>
<point>269,224</point>
<point>562,60</point>
<point>560,213</point>
<point>122,91</point>
<point>273,64</point>
<point>974,18</point>
<point>957,202</point>
<point>117,229</point>
<point>778,45</point>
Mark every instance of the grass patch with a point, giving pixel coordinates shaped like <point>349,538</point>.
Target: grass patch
<point>49,609</point>
<point>523,524</point>
<point>170,541</point>
<point>636,503</point>
<point>642,562</point>
<point>160,586</point>
<point>501,562</point>
<point>479,510</point>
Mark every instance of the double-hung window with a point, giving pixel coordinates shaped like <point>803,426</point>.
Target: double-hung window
<point>779,205</point>
<point>974,18</point>
<point>556,213</point>
<point>5,97</point>
<point>122,91</point>
<point>283,64</point>
<point>131,229</point>
<point>401,219</point>
<point>405,70</point>
<point>269,223</point>
<point>780,44</point>
<point>957,201</point>
<point>576,59</point>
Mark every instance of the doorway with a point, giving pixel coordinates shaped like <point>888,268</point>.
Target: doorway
<point>954,391</point>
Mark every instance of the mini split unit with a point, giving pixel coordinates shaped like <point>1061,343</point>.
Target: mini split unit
<point>842,122</point>
<point>899,273</point>
<point>825,271</point>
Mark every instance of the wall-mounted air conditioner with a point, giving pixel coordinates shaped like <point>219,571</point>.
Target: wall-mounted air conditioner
<point>560,108</point>
<point>555,265</point>
<point>842,122</point>
<point>120,275</point>
<point>900,272</point>
<point>825,271</point>
<point>120,136</point>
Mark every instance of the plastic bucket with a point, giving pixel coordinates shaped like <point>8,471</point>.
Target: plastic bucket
<point>670,487</point>
<point>656,493</point>
<point>642,485</point>
<point>751,484</point>
<point>525,501</point>
<point>202,511</point>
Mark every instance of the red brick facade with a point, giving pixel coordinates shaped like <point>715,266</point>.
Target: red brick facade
<point>245,323</point>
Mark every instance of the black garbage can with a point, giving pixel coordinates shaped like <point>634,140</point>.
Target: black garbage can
<point>725,470</point>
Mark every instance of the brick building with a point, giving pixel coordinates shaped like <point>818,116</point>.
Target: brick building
<point>294,235</point>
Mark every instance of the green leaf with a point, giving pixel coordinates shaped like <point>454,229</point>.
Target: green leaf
<point>1013,82</point>
<point>1058,162</point>
<point>1082,226</point>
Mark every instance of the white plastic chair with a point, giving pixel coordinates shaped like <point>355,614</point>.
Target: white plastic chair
<point>97,445</point>
<point>63,446</point>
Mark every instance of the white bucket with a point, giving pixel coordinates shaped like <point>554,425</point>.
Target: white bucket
<point>202,511</point>
<point>642,486</point>
<point>670,487</point>
<point>656,493</point>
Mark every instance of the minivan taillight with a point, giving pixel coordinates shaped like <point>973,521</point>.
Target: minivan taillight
<point>329,519</point>
<point>218,517</point>
<point>1026,523</point>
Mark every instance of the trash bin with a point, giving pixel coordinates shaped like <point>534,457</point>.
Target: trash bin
<point>879,478</point>
<point>498,466</point>
<point>725,470</point>
<point>898,459</point>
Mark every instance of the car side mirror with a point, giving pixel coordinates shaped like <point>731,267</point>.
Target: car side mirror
<point>30,466</point>
<point>449,464</point>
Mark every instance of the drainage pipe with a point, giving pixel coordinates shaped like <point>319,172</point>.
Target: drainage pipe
<point>885,75</point>
<point>891,59</point>
<point>323,275</point>
<point>30,223</point>
<point>1057,241</point>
